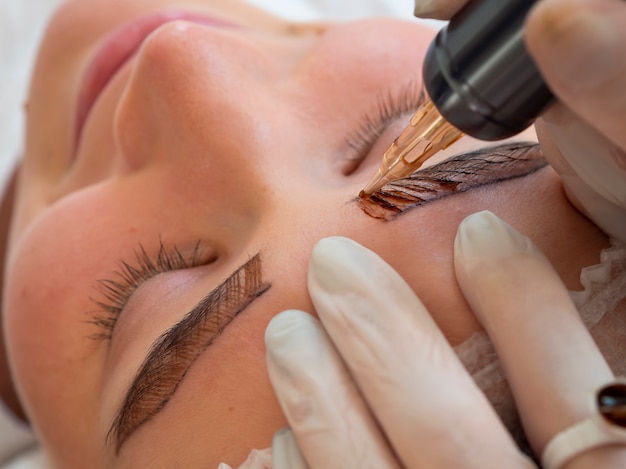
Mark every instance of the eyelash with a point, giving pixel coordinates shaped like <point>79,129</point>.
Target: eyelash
<point>116,293</point>
<point>390,107</point>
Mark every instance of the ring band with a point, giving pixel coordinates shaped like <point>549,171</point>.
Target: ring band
<point>606,426</point>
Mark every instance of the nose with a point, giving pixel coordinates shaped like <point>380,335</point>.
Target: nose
<point>196,92</point>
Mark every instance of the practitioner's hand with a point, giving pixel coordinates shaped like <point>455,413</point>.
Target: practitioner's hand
<point>579,46</point>
<point>438,9</point>
<point>375,384</point>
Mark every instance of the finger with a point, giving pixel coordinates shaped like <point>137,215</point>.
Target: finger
<point>579,48</point>
<point>552,363</point>
<point>285,451</point>
<point>325,411</point>
<point>438,9</point>
<point>585,160</point>
<point>428,406</point>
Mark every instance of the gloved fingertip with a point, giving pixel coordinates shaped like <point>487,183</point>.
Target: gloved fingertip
<point>424,7</point>
<point>340,265</point>
<point>483,238</point>
<point>437,9</point>
<point>285,451</point>
<point>287,329</point>
<point>494,263</point>
<point>341,270</point>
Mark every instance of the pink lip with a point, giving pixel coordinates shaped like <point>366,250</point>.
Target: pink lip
<point>116,49</point>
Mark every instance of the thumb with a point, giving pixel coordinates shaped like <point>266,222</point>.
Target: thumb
<point>438,9</point>
<point>579,47</point>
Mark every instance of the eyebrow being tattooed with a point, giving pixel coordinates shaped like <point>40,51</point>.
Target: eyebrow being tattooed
<point>173,353</point>
<point>457,174</point>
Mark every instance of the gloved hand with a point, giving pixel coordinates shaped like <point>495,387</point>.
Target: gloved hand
<point>579,47</point>
<point>375,383</point>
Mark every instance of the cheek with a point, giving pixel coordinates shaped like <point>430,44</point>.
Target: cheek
<point>52,359</point>
<point>57,367</point>
<point>41,310</point>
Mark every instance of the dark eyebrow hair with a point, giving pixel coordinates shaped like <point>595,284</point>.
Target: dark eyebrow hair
<point>457,174</point>
<point>173,353</point>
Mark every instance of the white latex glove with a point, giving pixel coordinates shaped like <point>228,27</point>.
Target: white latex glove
<point>257,459</point>
<point>375,383</point>
<point>579,46</point>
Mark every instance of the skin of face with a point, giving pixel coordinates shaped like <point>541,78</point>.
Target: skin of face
<point>231,139</point>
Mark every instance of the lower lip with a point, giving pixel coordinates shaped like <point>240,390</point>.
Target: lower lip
<point>117,49</point>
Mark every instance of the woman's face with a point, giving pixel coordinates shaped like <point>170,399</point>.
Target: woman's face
<point>184,194</point>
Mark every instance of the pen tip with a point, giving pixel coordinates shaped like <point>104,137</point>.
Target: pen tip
<point>363,195</point>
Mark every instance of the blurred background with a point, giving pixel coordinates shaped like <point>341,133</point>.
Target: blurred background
<point>21,26</point>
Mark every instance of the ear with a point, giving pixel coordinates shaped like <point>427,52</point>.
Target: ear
<point>8,394</point>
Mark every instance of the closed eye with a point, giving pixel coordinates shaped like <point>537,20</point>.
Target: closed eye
<point>114,293</point>
<point>174,352</point>
<point>390,107</point>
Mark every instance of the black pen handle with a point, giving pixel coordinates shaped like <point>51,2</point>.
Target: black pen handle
<point>479,74</point>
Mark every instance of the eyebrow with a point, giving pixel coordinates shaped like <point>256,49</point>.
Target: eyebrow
<point>173,353</point>
<point>457,174</point>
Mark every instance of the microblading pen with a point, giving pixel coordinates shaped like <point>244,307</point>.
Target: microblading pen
<point>480,81</point>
